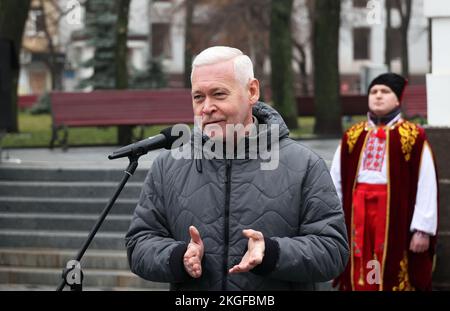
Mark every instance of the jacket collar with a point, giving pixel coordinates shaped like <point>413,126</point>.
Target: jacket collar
<point>387,119</point>
<point>264,115</point>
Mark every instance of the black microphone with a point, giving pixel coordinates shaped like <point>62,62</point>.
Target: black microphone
<point>163,140</point>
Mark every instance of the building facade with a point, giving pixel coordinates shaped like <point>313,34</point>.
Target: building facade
<point>157,31</point>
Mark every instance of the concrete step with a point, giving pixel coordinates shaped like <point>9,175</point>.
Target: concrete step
<point>57,258</point>
<point>60,239</point>
<point>44,174</point>
<point>445,287</point>
<point>79,222</point>
<point>78,189</point>
<point>45,217</point>
<point>37,205</point>
<point>92,277</point>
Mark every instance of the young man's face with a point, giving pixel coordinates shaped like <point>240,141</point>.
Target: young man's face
<point>382,100</point>
<point>219,99</point>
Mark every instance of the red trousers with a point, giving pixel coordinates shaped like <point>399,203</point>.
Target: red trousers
<point>369,218</point>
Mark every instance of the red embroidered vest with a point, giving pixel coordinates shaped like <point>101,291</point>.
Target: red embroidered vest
<point>401,269</point>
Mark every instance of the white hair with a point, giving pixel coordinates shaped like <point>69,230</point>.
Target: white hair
<point>243,67</point>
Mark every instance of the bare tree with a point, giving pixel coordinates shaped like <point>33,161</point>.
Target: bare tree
<point>301,46</point>
<point>188,36</point>
<point>302,62</point>
<point>123,7</point>
<point>52,15</point>
<point>404,7</point>
<point>248,29</point>
<point>388,35</point>
<point>124,133</point>
<point>51,61</point>
<point>260,28</point>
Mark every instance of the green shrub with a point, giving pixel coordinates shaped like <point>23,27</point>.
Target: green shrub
<point>42,106</point>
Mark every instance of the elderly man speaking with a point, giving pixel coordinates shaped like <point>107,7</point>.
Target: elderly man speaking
<point>213,218</point>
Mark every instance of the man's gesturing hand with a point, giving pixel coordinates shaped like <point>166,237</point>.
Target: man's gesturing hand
<point>254,254</point>
<point>192,259</point>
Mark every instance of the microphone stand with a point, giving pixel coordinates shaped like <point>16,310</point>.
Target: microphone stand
<point>72,274</point>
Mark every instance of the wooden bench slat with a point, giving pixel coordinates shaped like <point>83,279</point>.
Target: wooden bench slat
<point>158,107</point>
<point>101,108</point>
<point>119,107</point>
<point>414,103</point>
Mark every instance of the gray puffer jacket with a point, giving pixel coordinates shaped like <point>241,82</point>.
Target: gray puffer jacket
<point>295,206</point>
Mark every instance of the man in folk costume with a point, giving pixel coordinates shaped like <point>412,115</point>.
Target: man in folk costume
<point>385,175</point>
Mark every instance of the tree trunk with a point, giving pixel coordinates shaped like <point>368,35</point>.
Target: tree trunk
<point>281,61</point>
<point>51,61</point>
<point>124,133</point>
<point>405,53</point>
<point>326,68</point>
<point>259,16</point>
<point>404,7</point>
<point>387,51</point>
<point>121,44</point>
<point>13,15</point>
<point>259,58</point>
<point>302,68</point>
<point>190,5</point>
<point>430,45</point>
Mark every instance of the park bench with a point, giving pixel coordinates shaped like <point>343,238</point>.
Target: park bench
<point>352,105</point>
<point>137,108</point>
<point>117,107</point>
<point>26,101</point>
<point>414,103</point>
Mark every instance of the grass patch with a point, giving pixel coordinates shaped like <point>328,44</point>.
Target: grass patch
<point>306,126</point>
<point>305,129</point>
<point>36,131</point>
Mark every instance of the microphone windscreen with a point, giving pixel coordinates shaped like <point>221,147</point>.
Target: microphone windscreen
<point>170,139</point>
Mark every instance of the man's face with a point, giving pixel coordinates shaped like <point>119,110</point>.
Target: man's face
<point>382,100</point>
<point>219,99</point>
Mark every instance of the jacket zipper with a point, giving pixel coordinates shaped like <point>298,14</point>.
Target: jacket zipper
<point>226,224</point>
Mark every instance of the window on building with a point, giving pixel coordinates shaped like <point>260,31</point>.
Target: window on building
<point>130,63</point>
<point>40,21</point>
<point>360,3</point>
<point>37,79</point>
<point>36,23</point>
<point>77,56</point>
<point>161,46</point>
<point>361,43</point>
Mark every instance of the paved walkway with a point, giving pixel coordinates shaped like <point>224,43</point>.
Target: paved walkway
<point>97,157</point>
<point>82,157</point>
